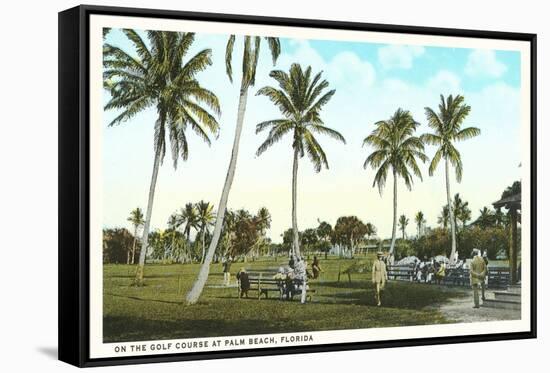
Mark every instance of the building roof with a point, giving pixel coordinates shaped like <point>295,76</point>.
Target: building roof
<point>508,202</point>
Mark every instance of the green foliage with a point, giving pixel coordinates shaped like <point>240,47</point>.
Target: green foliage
<point>348,232</point>
<point>447,127</point>
<point>159,77</point>
<point>300,98</point>
<point>403,222</point>
<point>117,243</point>
<point>396,149</point>
<point>251,53</point>
<point>420,221</point>
<point>438,241</point>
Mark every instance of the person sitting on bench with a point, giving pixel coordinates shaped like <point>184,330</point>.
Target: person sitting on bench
<point>242,277</point>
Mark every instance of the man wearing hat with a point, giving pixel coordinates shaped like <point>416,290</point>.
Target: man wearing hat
<point>379,277</point>
<point>478,271</point>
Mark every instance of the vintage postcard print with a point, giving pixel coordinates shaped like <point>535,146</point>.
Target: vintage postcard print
<point>260,187</point>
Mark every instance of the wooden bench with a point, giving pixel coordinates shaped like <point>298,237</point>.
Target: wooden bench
<point>456,277</point>
<point>499,277</point>
<point>401,272</point>
<point>263,283</point>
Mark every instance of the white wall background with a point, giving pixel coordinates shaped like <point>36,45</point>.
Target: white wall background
<point>28,182</point>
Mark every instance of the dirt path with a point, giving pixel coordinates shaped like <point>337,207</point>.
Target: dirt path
<point>461,310</point>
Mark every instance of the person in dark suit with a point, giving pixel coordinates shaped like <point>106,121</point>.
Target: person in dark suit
<point>244,282</point>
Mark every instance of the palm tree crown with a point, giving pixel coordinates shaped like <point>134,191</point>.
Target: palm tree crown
<point>136,217</point>
<point>188,216</point>
<point>251,54</point>
<point>159,77</point>
<point>300,99</point>
<point>447,126</point>
<point>205,215</point>
<point>395,148</point>
<point>420,221</point>
<point>403,222</point>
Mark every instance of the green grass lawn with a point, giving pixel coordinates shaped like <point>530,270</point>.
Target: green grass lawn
<point>156,311</point>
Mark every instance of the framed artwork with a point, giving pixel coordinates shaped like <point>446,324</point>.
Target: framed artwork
<point>234,186</point>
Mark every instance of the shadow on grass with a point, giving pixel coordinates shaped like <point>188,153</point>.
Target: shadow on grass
<point>144,299</point>
<point>342,284</point>
<point>403,296</point>
<point>125,329</point>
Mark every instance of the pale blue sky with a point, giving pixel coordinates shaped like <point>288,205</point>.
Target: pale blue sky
<point>371,82</point>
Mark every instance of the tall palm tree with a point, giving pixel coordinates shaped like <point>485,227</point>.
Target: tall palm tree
<point>172,226</point>
<point>403,222</point>
<point>420,222</point>
<point>228,233</point>
<point>461,210</point>
<point>188,217</point>
<point>396,150</point>
<point>263,223</point>
<point>205,219</point>
<point>300,97</point>
<point>251,54</point>
<point>136,218</point>
<point>447,127</point>
<point>443,218</point>
<point>157,76</point>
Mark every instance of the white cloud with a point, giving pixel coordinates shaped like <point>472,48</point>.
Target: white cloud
<point>444,82</point>
<point>343,71</point>
<point>484,62</point>
<point>399,56</point>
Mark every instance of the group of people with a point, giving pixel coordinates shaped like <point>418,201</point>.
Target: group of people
<point>434,271</point>
<point>429,271</point>
<point>294,277</point>
<point>291,278</point>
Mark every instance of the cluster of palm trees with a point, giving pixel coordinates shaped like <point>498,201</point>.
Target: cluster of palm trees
<point>397,150</point>
<point>159,74</point>
<point>461,213</point>
<point>189,231</point>
<point>348,234</point>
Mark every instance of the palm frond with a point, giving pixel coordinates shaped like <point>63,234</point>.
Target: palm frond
<point>467,133</point>
<point>328,132</point>
<point>275,48</point>
<point>229,56</point>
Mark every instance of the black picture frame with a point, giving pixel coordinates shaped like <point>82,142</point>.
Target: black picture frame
<point>74,182</point>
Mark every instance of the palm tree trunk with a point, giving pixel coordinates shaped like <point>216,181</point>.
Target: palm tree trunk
<point>145,236</point>
<point>295,233</point>
<point>134,246</point>
<point>451,213</point>
<point>202,239</point>
<point>196,290</point>
<point>394,226</point>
